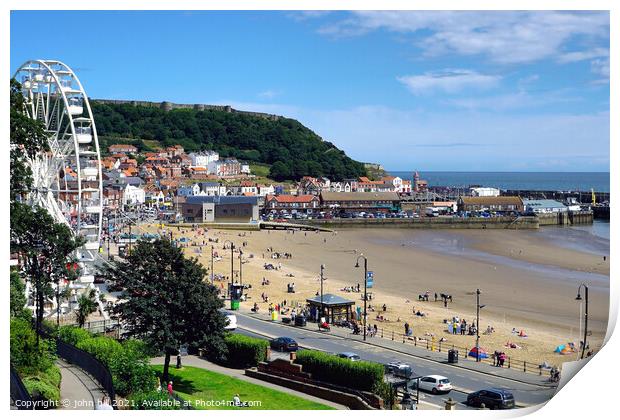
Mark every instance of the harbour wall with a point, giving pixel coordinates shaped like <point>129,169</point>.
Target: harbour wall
<point>566,218</point>
<point>523,222</point>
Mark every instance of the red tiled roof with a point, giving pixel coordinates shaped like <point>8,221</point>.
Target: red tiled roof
<point>307,198</point>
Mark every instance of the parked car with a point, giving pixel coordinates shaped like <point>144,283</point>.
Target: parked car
<point>493,398</point>
<point>231,322</point>
<point>351,356</point>
<point>283,344</point>
<point>435,384</point>
<point>401,370</point>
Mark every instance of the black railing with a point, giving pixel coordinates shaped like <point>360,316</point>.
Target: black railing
<point>19,394</point>
<point>87,362</point>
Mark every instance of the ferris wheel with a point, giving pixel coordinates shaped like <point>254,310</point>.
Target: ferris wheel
<point>67,179</point>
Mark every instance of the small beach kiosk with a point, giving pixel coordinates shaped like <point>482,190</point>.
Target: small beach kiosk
<point>336,307</point>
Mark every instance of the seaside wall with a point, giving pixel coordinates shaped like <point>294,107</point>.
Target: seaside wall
<point>568,218</point>
<point>432,223</point>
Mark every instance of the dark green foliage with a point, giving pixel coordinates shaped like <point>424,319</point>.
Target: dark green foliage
<point>165,301</point>
<point>363,376</point>
<point>18,296</point>
<point>26,357</point>
<point>128,363</point>
<point>86,306</point>
<point>243,351</point>
<point>247,137</point>
<point>27,139</point>
<point>154,400</point>
<point>41,390</point>
<point>73,335</point>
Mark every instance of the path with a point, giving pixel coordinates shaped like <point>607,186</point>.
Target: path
<point>199,362</point>
<point>78,390</point>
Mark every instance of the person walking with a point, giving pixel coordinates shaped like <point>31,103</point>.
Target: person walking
<point>170,391</point>
<point>406,328</point>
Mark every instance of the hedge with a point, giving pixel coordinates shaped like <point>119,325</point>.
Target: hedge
<point>128,363</point>
<point>243,351</point>
<point>360,375</point>
<point>73,335</point>
<point>41,390</point>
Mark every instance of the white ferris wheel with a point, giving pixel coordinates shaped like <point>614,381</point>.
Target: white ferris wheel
<point>67,179</point>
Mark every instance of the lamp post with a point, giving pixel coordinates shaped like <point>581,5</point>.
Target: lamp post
<point>212,276</point>
<point>357,264</point>
<point>585,316</point>
<point>322,309</point>
<point>232,261</point>
<point>241,268</point>
<point>478,307</point>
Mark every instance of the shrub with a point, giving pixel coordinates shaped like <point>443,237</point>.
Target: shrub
<point>51,376</point>
<point>363,376</point>
<point>103,348</point>
<point>139,348</point>
<point>153,400</point>
<point>131,374</point>
<point>26,356</point>
<point>243,351</point>
<point>40,390</point>
<point>73,335</point>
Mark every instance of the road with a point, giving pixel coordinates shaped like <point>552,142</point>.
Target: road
<point>463,380</point>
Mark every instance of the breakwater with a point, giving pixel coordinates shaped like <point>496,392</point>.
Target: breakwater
<point>522,222</point>
<point>566,218</point>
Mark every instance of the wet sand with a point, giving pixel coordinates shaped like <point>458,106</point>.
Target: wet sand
<point>533,289</point>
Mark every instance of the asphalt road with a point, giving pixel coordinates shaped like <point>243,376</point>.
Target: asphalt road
<point>463,380</point>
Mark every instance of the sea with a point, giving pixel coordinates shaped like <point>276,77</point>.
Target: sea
<point>543,181</point>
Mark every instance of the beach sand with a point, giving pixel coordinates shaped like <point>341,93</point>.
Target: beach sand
<point>540,302</point>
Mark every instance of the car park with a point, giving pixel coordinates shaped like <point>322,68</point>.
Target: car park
<point>435,384</point>
<point>283,344</point>
<point>492,398</point>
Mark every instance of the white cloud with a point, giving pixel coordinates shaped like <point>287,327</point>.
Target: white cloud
<point>518,100</point>
<point>503,37</point>
<point>449,80</point>
<point>601,67</point>
<point>574,56</point>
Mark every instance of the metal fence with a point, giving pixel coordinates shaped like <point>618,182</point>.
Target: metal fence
<point>88,363</point>
<point>510,362</point>
<point>19,393</point>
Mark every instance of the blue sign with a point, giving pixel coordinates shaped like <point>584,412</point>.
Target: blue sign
<point>370,280</point>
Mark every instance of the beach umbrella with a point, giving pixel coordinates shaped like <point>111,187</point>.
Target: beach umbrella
<point>474,351</point>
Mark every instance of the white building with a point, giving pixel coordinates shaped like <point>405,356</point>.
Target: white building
<point>212,188</point>
<point>264,190</point>
<point>133,195</point>
<point>245,168</point>
<point>484,192</point>
<point>204,158</point>
<point>544,206</point>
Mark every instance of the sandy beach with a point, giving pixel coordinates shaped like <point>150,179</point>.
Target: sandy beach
<point>526,283</point>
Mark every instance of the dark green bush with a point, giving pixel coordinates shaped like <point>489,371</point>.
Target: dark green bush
<point>363,376</point>
<point>51,376</point>
<point>243,351</point>
<point>131,373</point>
<point>73,335</point>
<point>153,400</point>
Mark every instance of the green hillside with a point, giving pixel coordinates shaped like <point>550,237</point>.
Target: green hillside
<point>291,149</point>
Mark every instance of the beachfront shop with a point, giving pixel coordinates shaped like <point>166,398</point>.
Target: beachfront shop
<point>336,308</point>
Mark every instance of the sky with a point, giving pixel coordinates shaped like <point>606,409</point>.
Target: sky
<point>425,90</point>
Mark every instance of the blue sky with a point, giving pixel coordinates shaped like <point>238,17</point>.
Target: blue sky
<point>479,91</point>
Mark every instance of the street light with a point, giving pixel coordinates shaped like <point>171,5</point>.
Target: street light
<point>212,277</point>
<point>322,309</point>
<point>232,261</point>
<point>357,264</point>
<point>478,307</point>
<point>241,269</point>
<point>585,316</point>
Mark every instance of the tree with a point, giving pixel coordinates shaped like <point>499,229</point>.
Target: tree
<point>46,249</point>
<point>27,139</point>
<point>18,297</point>
<point>164,300</point>
<point>86,306</point>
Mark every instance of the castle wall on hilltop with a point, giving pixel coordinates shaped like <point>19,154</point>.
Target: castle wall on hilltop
<point>168,106</point>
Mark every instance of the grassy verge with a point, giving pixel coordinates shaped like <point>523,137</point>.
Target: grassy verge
<point>196,384</point>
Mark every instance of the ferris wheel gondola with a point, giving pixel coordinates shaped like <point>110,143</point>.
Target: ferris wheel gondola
<point>67,179</point>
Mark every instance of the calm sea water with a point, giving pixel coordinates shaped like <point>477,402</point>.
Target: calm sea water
<point>548,181</point>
